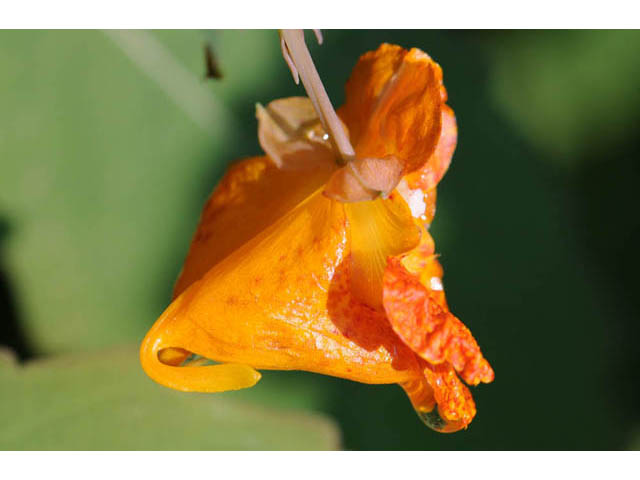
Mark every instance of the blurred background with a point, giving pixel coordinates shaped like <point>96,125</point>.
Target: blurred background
<point>110,142</point>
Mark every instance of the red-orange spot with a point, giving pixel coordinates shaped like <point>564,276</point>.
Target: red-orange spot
<point>426,325</point>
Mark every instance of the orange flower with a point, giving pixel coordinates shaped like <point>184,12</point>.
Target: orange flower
<point>317,256</point>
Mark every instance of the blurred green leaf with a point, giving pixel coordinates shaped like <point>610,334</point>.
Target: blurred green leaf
<point>105,168</point>
<point>568,92</point>
<point>104,401</point>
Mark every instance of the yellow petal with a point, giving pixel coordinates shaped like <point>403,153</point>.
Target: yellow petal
<point>379,229</point>
<point>160,359</point>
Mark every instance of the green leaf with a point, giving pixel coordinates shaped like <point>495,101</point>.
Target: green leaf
<point>110,143</point>
<point>569,92</point>
<point>104,401</point>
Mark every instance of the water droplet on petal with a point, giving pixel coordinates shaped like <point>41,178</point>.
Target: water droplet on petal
<point>421,395</point>
<point>433,420</point>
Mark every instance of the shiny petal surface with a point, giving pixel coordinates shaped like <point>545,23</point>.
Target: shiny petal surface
<point>428,327</point>
<point>253,194</point>
<point>440,399</point>
<point>454,400</point>
<point>282,301</point>
<point>393,105</point>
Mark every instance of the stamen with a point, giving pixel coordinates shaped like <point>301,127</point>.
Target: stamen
<point>287,58</point>
<point>299,59</point>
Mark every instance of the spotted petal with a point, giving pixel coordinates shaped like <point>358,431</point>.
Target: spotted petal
<point>253,194</point>
<point>281,301</point>
<point>393,106</point>
<point>418,316</point>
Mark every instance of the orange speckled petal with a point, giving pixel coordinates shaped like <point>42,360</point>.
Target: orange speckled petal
<point>422,263</point>
<point>282,301</point>
<point>252,195</point>
<point>455,403</point>
<point>393,105</point>
<point>440,399</point>
<point>427,326</point>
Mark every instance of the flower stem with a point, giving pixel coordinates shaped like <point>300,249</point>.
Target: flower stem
<point>301,64</point>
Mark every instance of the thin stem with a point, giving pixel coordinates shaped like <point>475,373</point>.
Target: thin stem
<point>301,58</point>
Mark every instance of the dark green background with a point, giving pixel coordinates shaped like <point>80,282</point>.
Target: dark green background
<point>110,143</point>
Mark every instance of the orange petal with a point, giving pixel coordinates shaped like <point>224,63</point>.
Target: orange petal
<point>440,399</point>
<point>252,195</point>
<point>393,105</point>
<point>427,326</point>
<point>428,176</point>
<point>282,301</point>
<point>455,403</point>
<point>379,229</point>
<point>422,263</point>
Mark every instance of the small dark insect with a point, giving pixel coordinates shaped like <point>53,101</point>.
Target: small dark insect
<point>211,64</point>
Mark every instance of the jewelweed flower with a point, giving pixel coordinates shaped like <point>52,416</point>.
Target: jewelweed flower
<point>317,256</point>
